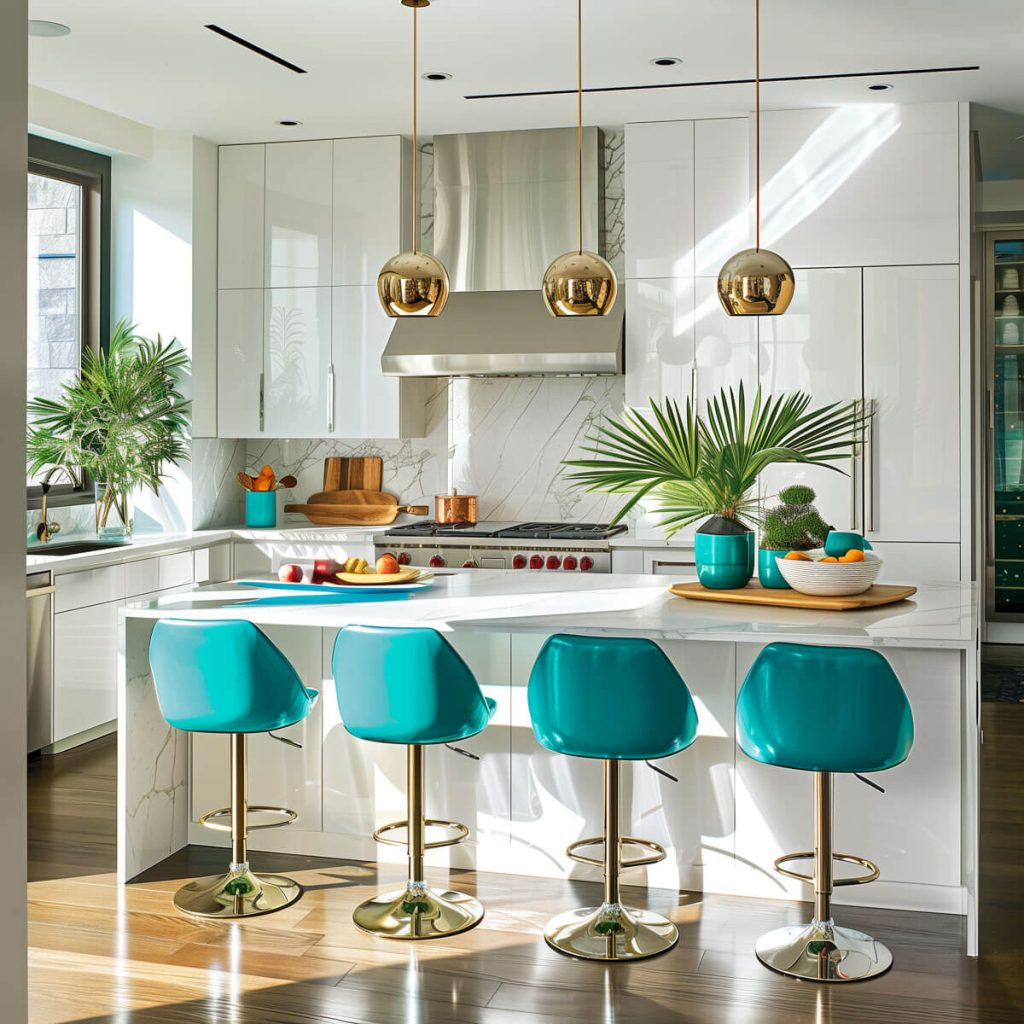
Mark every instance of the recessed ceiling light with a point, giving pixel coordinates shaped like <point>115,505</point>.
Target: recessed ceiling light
<point>289,124</point>
<point>666,62</point>
<point>879,86</point>
<point>47,29</point>
<point>437,76</point>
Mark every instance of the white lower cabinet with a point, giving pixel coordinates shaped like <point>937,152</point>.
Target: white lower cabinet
<point>280,775</point>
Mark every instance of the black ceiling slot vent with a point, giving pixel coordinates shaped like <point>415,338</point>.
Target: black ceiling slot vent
<point>257,49</point>
<point>722,81</point>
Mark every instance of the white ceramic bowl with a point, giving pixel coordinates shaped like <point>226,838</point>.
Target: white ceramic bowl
<point>830,579</point>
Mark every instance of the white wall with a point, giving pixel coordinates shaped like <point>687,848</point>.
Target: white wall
<point>13,161</point>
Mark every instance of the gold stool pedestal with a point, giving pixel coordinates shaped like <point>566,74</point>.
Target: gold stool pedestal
<point>823,952</point>
<point>238,893</point>
<point>611,932</point>
<point>418,912</point>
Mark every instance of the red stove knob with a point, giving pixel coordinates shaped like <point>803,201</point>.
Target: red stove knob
<point>536,562</point>
<point>569,562</point>
<point>519,562</point>
<point>554,562</point>
<point>470,564</point>
<point>436,562</point>
<point>403,558</point>
<point>586,563</point>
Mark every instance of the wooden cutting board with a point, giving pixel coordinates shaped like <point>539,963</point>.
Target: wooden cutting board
<point>754,593</point>
<point>354,508</point>
<point>358,473</point>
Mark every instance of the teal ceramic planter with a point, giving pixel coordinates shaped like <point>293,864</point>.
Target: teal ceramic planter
<point>724,561</point>
<point>768,571</point>
<point>260,510</point>
<point>838,542</point>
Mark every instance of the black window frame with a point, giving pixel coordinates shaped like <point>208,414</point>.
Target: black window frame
<point>92,171</point>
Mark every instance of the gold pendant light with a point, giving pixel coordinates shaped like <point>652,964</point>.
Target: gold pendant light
<point>579,283</point>
<point>756,282</point>
<point>413,283</point>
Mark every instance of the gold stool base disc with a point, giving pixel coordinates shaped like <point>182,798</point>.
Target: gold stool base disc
<point>240,893</point>
<point>823,952</point>
<point>611,932</point>
<point>418,912</point>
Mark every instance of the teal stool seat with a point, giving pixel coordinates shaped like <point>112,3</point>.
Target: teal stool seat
<point>824,710</point>
<point>228,677</point>
<point>614,699</point>
<point>410,686</point>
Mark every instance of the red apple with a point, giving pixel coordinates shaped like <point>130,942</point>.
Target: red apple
<point>325,570</point>
<point>290,574</point>
<point>387,564</point>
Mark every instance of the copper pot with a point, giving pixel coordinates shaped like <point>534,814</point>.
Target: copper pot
<point>455,508</point>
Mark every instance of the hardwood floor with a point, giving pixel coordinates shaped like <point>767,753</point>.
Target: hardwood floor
<point>102,953</point>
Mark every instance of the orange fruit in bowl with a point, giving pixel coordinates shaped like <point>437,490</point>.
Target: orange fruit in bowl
<point>797,556</point>
<point>829,558</point>
<point>853,555</point>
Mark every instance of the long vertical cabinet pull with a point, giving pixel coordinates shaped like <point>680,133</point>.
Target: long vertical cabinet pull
<point>262,403</point>
<point>871,409</point>
<point>330,399</point>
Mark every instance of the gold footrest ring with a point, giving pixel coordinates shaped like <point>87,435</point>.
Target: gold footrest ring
<point>460,830</point>
<point>657,855</point>
<point>207,819</point>
<point>846,858</point>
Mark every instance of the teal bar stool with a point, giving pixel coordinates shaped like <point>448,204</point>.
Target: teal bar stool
<point>410,686</point>
<point>824,710</point>
<point>227,677</point>
<point>613,699</point>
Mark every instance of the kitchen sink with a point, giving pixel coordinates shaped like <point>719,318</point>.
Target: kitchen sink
<point>80,547</point>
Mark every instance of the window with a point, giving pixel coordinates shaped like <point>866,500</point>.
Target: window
<point>68,274</point>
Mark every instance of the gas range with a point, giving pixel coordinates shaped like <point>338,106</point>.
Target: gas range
<point>567,547</point>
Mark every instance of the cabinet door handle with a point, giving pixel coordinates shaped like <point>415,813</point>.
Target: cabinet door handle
<point>262,403</point>
<point>330,399</point>
<point>869,466</point>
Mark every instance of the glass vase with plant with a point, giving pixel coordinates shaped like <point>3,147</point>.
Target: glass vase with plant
<point>695,466</point>
<point>123,422</point>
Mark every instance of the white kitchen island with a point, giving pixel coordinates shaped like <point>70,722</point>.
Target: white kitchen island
<point>723,823</point>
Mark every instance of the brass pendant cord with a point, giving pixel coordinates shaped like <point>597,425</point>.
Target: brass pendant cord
<point>757,124</point>
<point>415,93</point>
<point>579,120</point>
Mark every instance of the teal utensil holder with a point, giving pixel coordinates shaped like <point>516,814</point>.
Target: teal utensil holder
<point>768,571</point>
<point>260,510</point>
<point>724,561</point>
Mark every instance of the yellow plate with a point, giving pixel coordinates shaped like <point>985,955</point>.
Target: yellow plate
<point>408,575</point>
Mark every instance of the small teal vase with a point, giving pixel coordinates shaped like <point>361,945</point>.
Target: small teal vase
<point>725,561</point>
<point>768,571</point>
<point>260,510</point>
<point>838,542</point>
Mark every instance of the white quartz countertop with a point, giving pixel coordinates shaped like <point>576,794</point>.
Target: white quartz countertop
<point>505,601</point>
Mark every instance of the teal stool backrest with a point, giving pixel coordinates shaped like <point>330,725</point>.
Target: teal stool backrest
<point>824,709</point>
<point>614,698</point>
<point>409,685</point>
<point>224,676</point>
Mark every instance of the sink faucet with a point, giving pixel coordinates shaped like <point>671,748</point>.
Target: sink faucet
<point>45,530</point>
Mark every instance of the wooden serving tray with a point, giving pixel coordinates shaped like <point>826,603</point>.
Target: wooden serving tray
<point>754,593</point>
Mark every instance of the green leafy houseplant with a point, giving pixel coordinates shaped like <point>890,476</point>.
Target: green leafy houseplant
<point>794,524</point>
<point>697,466</point>
<point>123,421</point>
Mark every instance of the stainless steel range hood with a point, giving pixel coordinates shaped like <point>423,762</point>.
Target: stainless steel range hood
<point>504,207</point>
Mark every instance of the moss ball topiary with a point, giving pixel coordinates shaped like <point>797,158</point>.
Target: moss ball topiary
<point>794,524</point>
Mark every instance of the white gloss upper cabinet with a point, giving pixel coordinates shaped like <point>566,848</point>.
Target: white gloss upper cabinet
<point>659,199</point>
<point>240,314</point>
<point>723,214</point>
<point>659,340</point>
<point>869,184</point>
<point>240,192</point>
<point>297,359</point>
<point>299,214</point>
<point>370,195</point>
<point>815,347</point>
<point>725,347</point>
<point>911,374</point>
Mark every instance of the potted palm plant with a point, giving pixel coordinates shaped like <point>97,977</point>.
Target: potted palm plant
<point>706,467</point>
<point>122,422</point>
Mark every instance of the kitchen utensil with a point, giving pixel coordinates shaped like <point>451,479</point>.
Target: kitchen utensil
<point>285,481</point>
<point>455,507</point>
<point>831,579</point>
<point>357,473</point>
<point>754,593</point>
<point>377,579</point>
<point>245,480</point>
<point>354,508</point>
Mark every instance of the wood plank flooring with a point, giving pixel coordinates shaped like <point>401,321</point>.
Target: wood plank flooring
<point>102,953</point>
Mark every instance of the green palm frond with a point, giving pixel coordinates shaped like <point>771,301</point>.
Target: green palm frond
<point>695,466</point>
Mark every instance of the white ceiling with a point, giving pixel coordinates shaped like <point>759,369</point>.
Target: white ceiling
<point>154,62</point>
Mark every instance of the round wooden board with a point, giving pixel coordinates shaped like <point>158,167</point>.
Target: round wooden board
<point>408,575</point>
